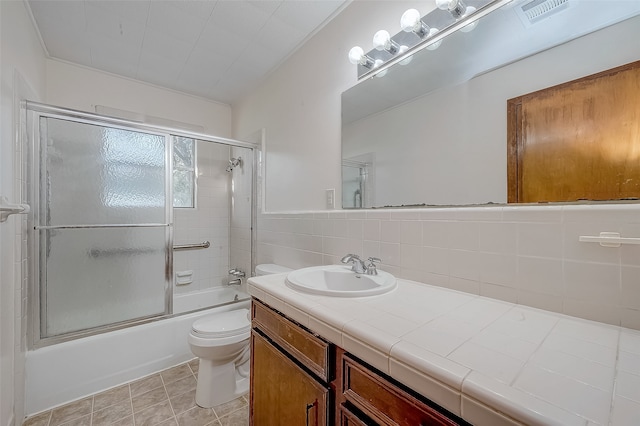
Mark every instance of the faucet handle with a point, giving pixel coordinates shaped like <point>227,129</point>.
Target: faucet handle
<point>371,267</point>
<point>349,257</point>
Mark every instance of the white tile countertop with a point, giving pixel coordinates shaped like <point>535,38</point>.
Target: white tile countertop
<point>487,361</point>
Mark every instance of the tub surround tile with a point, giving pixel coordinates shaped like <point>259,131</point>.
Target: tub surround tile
<point>500,363</point>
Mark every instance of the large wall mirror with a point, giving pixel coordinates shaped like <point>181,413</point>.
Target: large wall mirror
<point>434,131</point>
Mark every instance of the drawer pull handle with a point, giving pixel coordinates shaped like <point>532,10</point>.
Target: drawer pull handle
<point>309,406</point>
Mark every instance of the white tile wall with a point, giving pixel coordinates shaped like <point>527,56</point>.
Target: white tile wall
<point>524,254</point>
<point>208,221</point>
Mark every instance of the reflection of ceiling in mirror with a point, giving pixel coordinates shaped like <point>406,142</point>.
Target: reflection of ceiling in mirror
<point>500,38</point>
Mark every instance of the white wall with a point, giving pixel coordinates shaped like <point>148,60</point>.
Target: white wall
<point>299,106</point>
<point>22,73</point>
<point>82,88</point>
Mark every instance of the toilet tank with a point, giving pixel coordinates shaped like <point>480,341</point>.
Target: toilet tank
<point>271,268</point>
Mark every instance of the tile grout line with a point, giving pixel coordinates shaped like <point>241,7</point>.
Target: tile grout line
<point>175,418</point>
<point>133,414</point>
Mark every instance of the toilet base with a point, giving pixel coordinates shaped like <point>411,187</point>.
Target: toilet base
<point>218,384</point>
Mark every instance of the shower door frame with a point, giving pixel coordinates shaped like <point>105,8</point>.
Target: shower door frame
<point>34,111</point>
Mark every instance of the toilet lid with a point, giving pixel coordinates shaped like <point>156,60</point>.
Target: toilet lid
<point>223,324</point>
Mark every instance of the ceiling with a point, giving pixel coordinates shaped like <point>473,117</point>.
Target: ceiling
<point>217,49</point>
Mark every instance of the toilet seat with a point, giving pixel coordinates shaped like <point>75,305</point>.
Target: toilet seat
<point>225,324</point>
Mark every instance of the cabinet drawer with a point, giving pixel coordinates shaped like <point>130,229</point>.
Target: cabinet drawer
<point>301,344</point>
<point>383,401</point>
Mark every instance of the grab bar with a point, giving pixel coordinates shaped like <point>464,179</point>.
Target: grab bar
<point>608,239</point>
<point>205,244</point>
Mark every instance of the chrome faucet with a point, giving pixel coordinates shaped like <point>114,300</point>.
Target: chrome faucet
<point>371,267</point>
<point>358,265</point>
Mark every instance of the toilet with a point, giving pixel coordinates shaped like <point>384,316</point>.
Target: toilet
<point>221,341</point>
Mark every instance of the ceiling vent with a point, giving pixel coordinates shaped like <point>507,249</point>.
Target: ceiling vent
<point>537,10</point>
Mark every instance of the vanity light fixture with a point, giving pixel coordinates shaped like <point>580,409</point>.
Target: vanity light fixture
<point>382,41</point>
<point>457,8</point>
<point>411,22</point>
<point>357,56</point>
<point>426,32</point>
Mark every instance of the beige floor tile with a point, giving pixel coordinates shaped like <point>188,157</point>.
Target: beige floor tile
<point>127,421</point>
<point>72,411</point>
<point>112,414</point>
<point>194,364</point>
<point>231,406</point>
<point>150,398</point>
<point>170,422</point>
<point>181,386</point>
<point>236,418</point>
<point>145,385</point>
<point>154,415</point>
<point>174,374</point>
<point>82,421</point>
<point>184,402</point>
<point>196,416</point>
<point>41,419</point>
<point>111,397</point>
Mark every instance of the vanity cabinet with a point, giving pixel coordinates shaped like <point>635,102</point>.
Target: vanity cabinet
<point>290,372</point>
<point>377,400</point>
<point>298,378</point>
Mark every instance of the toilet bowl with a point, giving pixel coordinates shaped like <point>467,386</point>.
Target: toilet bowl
<point>271,268</point>
<point>221,341</point>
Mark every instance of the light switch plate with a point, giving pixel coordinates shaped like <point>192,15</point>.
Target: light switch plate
<point>331,198</point>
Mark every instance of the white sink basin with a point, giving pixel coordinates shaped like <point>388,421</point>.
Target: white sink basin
<point>340,281</point>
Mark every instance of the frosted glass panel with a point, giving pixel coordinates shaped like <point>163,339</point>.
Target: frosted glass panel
<point>100,175</point>
<point>96,277</point>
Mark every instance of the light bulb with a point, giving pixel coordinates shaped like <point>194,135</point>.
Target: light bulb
<point>357,57</point>
<point>356,54</point>
<point>472,25</point>
<point>456,7</point>
<point>377,64</point>
<point>382,41</point>
<point>408,59</point>
<point>437,44</point>
<point>411,22</point>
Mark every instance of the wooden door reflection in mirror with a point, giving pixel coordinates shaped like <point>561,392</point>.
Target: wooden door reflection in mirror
<point>576,141</point>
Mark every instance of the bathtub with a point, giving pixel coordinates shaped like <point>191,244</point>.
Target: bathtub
<point>68,371</point>
<point>214,296</point>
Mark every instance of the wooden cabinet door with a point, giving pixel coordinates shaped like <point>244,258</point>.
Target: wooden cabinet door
<point>281,392</point>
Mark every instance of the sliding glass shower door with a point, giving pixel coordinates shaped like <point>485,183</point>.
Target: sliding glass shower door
<point>102,224</point>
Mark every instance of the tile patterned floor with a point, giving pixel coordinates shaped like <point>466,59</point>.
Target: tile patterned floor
<point>166,398</point>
